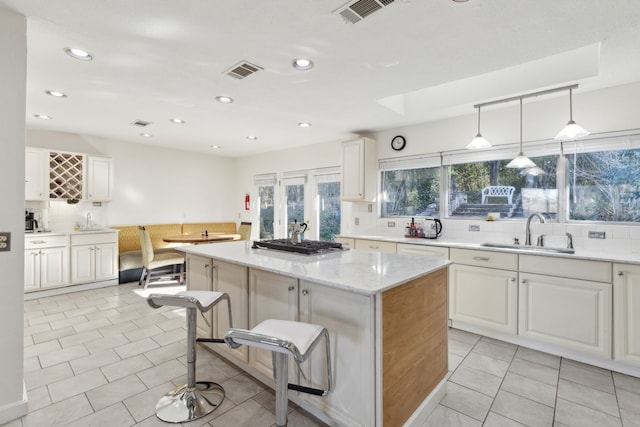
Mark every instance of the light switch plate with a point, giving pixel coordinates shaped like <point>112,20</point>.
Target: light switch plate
<point>5,241</point>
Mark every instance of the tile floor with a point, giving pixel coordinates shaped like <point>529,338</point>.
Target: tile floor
<point>104,357</point>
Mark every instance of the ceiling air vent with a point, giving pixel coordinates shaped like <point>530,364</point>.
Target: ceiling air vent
<point>358,10</point>
<point>243,69</point>
<point>140,123</point>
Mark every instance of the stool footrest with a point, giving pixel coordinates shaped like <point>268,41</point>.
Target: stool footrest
<point>218,340</point>
<point>308,390</point>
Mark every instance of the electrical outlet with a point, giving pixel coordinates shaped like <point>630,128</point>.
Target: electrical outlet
<point>357,221</point>
<point>369,207</point>
<point>597,235</point>
<point>5,241</point>
<point>391,224</point>
<point>474,228</point>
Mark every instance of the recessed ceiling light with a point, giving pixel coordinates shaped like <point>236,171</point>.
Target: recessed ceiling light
<point>304,125</point>
<point>459,1</point>
<point>215,147</point>
<point>146,135</point>
<point>302,64</point>
<point>42,116</point>
<point>78,54</point>
<point>176,120</point>
<point>252,137</point>
<point>55,93</point>
<point>224,99</point>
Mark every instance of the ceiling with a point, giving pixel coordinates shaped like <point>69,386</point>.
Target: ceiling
<point>413,61</point>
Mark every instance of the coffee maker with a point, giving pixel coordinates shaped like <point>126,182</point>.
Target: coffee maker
<point>30,223</point>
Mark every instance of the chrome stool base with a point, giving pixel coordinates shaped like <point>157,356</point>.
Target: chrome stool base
<point>184,404</point>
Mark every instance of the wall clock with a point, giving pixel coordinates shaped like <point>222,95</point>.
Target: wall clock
<point>398,142</point>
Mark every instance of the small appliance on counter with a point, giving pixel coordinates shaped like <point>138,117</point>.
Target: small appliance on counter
<point>30,223</point>
<point>430,229</point>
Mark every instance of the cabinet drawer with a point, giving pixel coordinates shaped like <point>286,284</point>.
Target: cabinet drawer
<point>423,250</point>
<point>599,271</point>
<point>347,242</point>
<point>490,259</point>
<point>93,238</point>
<point>35,242</point>
<point>375,246</point>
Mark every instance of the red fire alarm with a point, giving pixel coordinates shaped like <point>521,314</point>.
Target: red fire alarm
<point>246,202</point>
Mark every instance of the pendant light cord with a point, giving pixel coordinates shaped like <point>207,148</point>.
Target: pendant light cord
<point>520,126</point>
<point>570,104</point>
<point>478,120</point>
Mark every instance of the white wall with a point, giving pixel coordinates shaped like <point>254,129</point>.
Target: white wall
<point>151,185</point>
<point>13,51</point>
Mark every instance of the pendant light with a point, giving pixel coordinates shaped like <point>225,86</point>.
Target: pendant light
<point>521,161</point>
<point>479,141</point>
<point>571,130</point>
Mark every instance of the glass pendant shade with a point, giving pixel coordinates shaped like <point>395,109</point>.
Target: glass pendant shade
<point>571,130</point>
<point>521,161</point>
<point>479,141</point>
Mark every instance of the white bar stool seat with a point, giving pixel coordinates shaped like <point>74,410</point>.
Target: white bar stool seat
<point>193,400</point>
<point>284,338</point>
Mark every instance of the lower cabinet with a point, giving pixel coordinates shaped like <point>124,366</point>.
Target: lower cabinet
<point>574,314</point>
<point>94,257</point>
<point>46,262</point>
<point>483,290</point>
<point>232,279</point>
<point>200,278</point>
<point>626,309</point>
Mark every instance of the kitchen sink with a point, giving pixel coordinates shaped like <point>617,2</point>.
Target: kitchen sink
<point>530,248</point>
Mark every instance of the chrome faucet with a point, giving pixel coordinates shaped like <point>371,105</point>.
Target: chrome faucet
<point>528,229</point>
<point>88,219</point>
<point>569,241</point>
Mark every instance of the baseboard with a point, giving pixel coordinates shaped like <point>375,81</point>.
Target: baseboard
<point>420,416</point>
<point>68,289</point>
<point>14,410</point>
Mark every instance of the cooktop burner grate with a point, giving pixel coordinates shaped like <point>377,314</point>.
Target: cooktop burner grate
<point>306,247</point>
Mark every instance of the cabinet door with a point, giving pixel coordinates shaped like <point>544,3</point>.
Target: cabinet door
<point>31,270</point>
<point>375,246</point>
<point>83,264</point>
<point>423,250</point>
<point>106,261</point>
<point>483,297</point>
<point>271,296</point>
<point>99,178</point>
<point>35,181</point>
<point>54,266</point>
<point>234,280</point>
<point>348,318</point>
<point>575,314</point>
<point>353,178</point>
<point>200,278</point>
<point>626,309</point>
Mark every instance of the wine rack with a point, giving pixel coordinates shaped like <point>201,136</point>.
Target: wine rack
<point>65,175</point>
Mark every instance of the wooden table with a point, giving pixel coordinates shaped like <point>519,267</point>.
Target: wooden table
<point>195,239</point>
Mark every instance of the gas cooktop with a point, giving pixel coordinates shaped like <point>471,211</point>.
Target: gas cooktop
<point>306,247</point>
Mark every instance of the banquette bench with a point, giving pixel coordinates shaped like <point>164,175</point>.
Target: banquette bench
<point>130,253</point>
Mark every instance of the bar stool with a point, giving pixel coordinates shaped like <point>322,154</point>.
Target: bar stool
<point>195,399</point>
<point>284,338</point>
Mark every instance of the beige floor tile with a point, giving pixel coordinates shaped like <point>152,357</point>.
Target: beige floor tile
<point>495,351</point>
<point>468,402</point>
<point>477,380</point>
<point>31,330</point>
<point>589,397</point>
<point>59,414</point>
<point>109,341</point>
<point>38,398</point>
<point>170,337</point>
<point>93,361</point>
<point>140,333</point>
<point>126,367</point>
<point>522,410</point>
<point>459,348</point>
<point>587,377</point>
<point>628,401</point>
<point>114,392</point>
<point>486,364</point>
<point>574,415</point>
<point>530,389</point>
<point>46,376</point>
<point>42,348</point>
<point>497,420</point>
<point>463,336</point>
<point>72,321</point>
<point>248,414</point>
<point>162,373</point>
<point>75,385</point>
<point>143,405</point>
<point>538,357</point>
<point>64,355</point>
<point>137,347</point>
<point>52,334</point>
<point>534,371</point>
<point>626,382</point>
<point>166,352</point>
<point>241,388</point>
<point>37,320</point>
<point>80,338</point>
<point>116,415</point>
<point>629,418</point>
<point>443,416</point>
<point>92,324</point>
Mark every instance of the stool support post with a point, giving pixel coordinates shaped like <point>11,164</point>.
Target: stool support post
<point>191,346</point>
<point>281,376</point>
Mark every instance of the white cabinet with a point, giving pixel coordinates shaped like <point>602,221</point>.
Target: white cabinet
<point>232,279</point>
<point>347,242</point>
<point>375,246</point>
<point>439,252</point>
<point>567,311</point>
<point>46,262</point>
<point>359,170</point>
<point>94,257</point>
<point>99,178</point>
<point>626,309</point>
<point>483,290</point>
<point>348,318</point>
<point>36,176</point>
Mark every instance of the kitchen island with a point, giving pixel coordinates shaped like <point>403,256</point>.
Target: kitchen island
<point>386,315</point>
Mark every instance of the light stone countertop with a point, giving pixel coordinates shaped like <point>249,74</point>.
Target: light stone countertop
<point>356,271</point>
<point>624,257</point>
<point>64,233</point>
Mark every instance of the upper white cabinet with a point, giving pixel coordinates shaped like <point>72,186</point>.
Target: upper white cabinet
<point>626,309</point>
<point>36,177</point>
<point>99,178</point>
<point>359,170</point>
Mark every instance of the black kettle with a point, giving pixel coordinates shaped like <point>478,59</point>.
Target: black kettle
<point>432,228</point>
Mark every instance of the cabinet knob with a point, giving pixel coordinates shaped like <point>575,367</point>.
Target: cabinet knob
<point>207,266</point>
<point>523,282</point>
<point>513,279</point>
<point>481,258</point>
<point>305,292</point>
<point>291,288</point>
<point>620,273</point>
